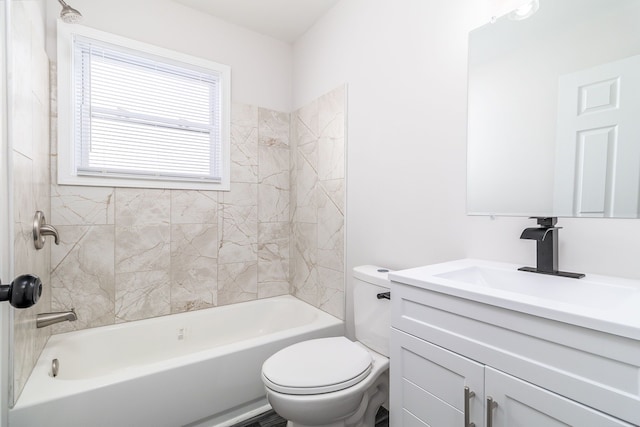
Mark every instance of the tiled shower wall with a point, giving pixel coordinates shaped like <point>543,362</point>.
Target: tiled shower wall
<point>30,120</point>
<point>127,254</point>
<point>318,202</point>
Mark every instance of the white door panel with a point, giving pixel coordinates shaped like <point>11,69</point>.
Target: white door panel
<point>598,141</point>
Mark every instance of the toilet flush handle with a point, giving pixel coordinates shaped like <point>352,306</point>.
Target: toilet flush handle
<point>384,295</point>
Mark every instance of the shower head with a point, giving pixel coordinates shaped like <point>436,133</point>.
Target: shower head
<point>69,14</point>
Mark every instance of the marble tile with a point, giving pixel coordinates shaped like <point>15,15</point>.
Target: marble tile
<point>273,190</point>
<point>305,281</point>
<point>142,207</point>
<point>304,254</point>
<point>331,114</point>
<point>293,177</point>
<point>53,171</point>
<point>331,291</point>
<point>22,66</point>
<point>40,175</point>
<point>24,205</point>
<point>273,128</point>
<point>307,123</point>
<point>273,289</point>
<point>194,207</point>
<point>53,113</point>
<point>194,288</point>
<point>309,153</point>
<point>24,354</point>
<point>82,276</point>
<point>273,254</point>
<point>40,75</point>
<point>306,209</point>
<point>80,205</point>
<point>194,251</point>
<point>334,190</point>
<point>237,282</point>
<point>331,128</point>
<point>142,248</point>
<point>330,231</point>
<point>53,88</point>
<point>244,143</point>
<point>331,158</point>
<point>30,165</point>
<point>279,230</point>
<point>239,229</point>
<point>24,250</point>
<point>141,295</point>
<point>318,206</point>
<point>274,166</point>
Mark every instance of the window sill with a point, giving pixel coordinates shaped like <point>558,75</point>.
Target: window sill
<point>101,181</point>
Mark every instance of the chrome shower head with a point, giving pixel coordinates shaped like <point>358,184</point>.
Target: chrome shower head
<point>69,14</point>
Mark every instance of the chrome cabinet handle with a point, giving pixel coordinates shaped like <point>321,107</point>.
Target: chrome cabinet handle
<point>491,405</point>
<point>468,394</point>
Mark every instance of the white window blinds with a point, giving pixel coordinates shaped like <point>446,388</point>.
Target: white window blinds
<point>141,116</point>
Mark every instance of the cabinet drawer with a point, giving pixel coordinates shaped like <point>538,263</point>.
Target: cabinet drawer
<point>598,369</point>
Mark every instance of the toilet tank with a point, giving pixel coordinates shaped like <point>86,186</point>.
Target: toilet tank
<point>372,316</point>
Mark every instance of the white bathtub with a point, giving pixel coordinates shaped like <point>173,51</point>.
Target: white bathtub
<point>192,369</point>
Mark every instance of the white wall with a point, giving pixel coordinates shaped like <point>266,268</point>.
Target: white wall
<point>260,65</point>
<point>405,63</point>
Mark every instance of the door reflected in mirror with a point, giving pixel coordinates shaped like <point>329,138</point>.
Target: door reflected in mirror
<point>554,112</point>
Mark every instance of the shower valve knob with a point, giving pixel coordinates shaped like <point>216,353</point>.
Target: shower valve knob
<point>23,292</point>
<point>41,229</point>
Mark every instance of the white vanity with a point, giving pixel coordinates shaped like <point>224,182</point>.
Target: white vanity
<point>477,343</point>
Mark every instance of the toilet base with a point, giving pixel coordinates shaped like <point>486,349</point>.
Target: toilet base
<point>365,415</point>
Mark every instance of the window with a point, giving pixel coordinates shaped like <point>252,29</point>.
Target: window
<point>135,115</point>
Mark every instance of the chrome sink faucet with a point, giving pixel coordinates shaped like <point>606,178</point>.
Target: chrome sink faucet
<point>48,319</point>
<point>546,237</point>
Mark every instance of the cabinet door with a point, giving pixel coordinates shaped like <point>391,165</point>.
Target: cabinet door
<point>525,405</point>
<point>428,385</point>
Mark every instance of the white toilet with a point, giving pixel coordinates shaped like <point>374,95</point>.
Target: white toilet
<point>335,382</point>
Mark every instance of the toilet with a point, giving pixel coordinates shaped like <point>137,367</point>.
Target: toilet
<point>335,382</point>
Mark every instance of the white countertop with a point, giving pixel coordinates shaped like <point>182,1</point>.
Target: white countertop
<point>602,303</point>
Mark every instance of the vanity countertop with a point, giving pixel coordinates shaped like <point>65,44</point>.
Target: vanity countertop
<point>602,303</point>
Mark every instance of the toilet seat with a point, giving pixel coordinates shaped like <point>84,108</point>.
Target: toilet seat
<point>317,366</point>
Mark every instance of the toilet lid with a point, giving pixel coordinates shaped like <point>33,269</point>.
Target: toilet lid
<point>317,366</point>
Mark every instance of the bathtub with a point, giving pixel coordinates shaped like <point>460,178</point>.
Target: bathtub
<point>193,369</point>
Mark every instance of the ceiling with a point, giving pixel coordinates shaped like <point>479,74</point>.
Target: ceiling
<point>285,20</point>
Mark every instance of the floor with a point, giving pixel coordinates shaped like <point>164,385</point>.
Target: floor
<point>271,419</point>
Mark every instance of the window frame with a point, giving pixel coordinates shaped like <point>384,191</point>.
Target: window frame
<point>66,149</point>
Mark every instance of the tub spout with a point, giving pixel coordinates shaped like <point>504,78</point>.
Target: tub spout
<point>48,319</point>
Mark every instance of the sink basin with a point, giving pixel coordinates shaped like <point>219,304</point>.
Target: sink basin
<point>580,292</point>
<point>609,304</point>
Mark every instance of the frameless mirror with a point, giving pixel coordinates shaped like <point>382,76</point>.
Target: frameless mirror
<point>554,111</point>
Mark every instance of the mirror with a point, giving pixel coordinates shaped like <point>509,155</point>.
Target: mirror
<point>554,112</point>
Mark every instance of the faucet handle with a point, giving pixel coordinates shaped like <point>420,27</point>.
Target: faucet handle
<point>41,229</point>
<point>546,221</point>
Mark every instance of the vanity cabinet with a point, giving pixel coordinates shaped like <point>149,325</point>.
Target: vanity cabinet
<point>432,386</point>
<point>539,372</point>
